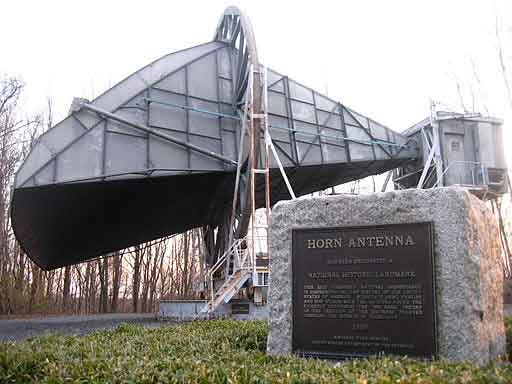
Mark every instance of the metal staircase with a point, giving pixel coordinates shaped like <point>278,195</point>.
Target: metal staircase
<point>239,259</point>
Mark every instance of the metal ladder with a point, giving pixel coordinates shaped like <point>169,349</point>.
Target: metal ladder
<point>243,251</point>
<point>258,228</point>
<point>265,171</point>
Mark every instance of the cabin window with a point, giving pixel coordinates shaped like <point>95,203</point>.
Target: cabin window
<point>455,146</point>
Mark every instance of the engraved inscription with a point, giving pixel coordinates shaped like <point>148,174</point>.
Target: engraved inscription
<point>363,301</point>
<point>362,242</point>
<point>365,290</point>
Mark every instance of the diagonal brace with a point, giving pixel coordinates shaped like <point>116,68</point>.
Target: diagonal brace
<point>160,135</point>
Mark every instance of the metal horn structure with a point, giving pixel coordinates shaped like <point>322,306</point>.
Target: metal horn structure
<point>172,147</point>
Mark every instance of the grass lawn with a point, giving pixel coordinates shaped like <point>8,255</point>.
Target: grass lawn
<point>222,351</point>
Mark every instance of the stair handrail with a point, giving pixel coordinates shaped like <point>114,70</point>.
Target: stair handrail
<point>245,262</point>
<point>232,249</point>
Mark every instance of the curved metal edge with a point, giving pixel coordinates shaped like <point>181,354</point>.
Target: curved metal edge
<point>235,29</point>
<point>246,27</point>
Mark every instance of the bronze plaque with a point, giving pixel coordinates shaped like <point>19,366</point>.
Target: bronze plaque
<point>240,308</point>
<point>360,291</point>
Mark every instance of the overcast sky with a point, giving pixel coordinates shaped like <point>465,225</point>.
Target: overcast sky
<point>385,59</point>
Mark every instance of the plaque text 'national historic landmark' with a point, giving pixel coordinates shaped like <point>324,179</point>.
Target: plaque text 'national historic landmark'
<point>364,290</point>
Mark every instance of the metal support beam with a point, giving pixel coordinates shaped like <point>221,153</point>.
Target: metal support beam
<point>385,185</point>
<point>281,169</point>
<point>426,168</point>
<point>218,114</point>
<point>436,145</point>
<point>163,136</point>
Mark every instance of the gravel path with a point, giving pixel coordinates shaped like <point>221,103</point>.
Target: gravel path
<point>18,329</point>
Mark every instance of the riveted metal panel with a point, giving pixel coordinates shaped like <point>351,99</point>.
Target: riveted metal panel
<point>202,78</point>
<point>164,155</point>
<point>168,116</point>
<point>201,161</point>
<point>277,104</point>
<point>324,103</point>
<point>173,83</point>
<point>45,175</point>
<point>303,111</point>
<point>329,119</point>
<point>125,153</point>
<point>299,92</point>
<point>204,123</point>
<point>83,159</point>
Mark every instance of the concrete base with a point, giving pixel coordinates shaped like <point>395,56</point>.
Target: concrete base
<point>186,310</point>
<point>468,274</point>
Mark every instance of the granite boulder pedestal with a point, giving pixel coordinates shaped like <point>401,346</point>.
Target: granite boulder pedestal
<point>378,295</point>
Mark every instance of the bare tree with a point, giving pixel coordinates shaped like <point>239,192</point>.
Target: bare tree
<point>502,60</point>
<point>137,259</point>
<point>103,275</point>
<point>66,289</point>
<point>117,264</point>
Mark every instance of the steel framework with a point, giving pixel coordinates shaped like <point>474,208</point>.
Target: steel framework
<point>189,141</point>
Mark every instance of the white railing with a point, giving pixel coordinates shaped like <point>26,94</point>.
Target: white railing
<point>242,253</point>
<point>242,260</point>
<point>466,173</point>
